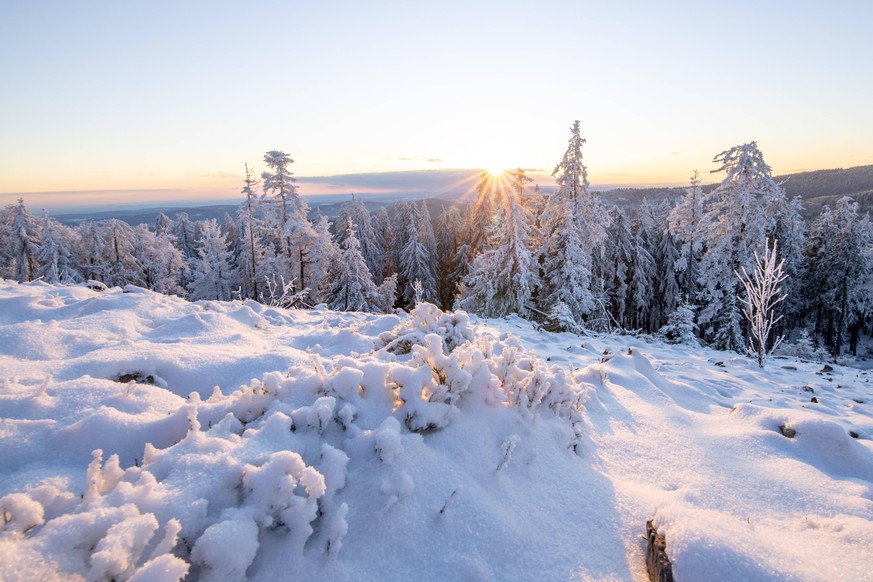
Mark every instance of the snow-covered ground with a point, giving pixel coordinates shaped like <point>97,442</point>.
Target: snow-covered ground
<point>358,447</point>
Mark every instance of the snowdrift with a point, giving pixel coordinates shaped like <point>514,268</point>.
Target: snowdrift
<point>145,437</point>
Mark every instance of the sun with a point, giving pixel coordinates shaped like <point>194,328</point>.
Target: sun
<point>495,170</point>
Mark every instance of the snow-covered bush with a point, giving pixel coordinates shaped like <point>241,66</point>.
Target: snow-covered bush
<point>271,490</point>
<point>680,328</point>
<point>227,548</point>
<point>213,477</point>
<point>528,383</point>
<point>19,512</point>
<point>803,347</point>
<point>454,329</point>
<point>561,319</point>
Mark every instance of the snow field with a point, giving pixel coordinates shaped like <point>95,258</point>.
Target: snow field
<point>428,445</point>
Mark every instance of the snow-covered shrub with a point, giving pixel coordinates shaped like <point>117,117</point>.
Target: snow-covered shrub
<point>164,568</point>
<point>333,467</point>
<point>162,564</point>
<point>680,328</point>
<point>317,416</point>
<point>528,383</point>
<point>271,491</point>
<point>117,553</point>
<point>337,528</point>
<point>100,478</point>
<point>506,450</point>
<point>803,347</point>
<point>227,548</point>
<point>454,329</point>
<point>387,440</point>
<point>561,319</point>
<point>346,416</point>
<point>397,487</point>
<point>19,512</point>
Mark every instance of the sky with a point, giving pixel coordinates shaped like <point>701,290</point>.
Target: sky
<point>160,100</point>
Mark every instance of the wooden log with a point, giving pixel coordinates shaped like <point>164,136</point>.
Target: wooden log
<point>657,563</point>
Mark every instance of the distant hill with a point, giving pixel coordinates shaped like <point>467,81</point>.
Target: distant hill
<point>814,188</point>
<point>827,186</point>
<point>148,215</point>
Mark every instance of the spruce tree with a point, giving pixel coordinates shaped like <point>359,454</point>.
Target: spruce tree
<point>25,240</point>
<point>573,226</point>
<point>293,232</point>
<point>213,272</point>
<point>737,226</point>
<point>352,287</point>
<point>501,281</point>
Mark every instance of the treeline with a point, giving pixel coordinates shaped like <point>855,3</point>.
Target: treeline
<point>565,257</point>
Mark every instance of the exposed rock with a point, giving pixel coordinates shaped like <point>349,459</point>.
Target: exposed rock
<point>719,364</point>
<point>814,400</point>
<point>137,377</point>
<point>787,431</point>
<point>657,563</point>
<point>853,434</point>
<point>95,286</point>
<point>827,369</point>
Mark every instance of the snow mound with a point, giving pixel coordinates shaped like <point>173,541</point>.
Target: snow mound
<point>356,446</point>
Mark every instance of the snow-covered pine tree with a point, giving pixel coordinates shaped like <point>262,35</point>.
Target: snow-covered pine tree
<point>416,265</point>
<point>737,226</point>
<point>161,262</point>
<point>687,226</point>
<point>680,327</point>
<point>251,238</point>
<point>414,258</point>
<point>616,264</point>
<point>462,262</point>
<point>92,244</point>
<point>668,292</point>
<point>6,259</point>
<point>385,237</point>
<point>642,282</point>
<point>324,263</point>
<point>186,239</point>
<point>213,273</point>
<point>790,230</point>
<point>122,268</point>
<point>185,233</point>
<point>573,226</point>
<point>837,289</point>
<point>25,241</point>
<point>482,215</point>
<point>293,232</point>
<point>501,281</point>
<point>57,265</point>
<point>352,287</point>
<point>163,224</point>
<point>424,225</point>
<point>371,249</point>
<point>448,233</point>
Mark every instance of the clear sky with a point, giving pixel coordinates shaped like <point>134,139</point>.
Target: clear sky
<point>179,95</point>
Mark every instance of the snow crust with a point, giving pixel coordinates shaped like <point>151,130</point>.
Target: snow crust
<point>275,444</point>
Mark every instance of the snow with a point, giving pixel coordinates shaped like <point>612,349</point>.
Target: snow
<point>423,445</point>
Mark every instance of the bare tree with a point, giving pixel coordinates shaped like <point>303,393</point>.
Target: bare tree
<point>763,293</point>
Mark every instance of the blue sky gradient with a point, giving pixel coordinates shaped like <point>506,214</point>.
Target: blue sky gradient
<point>179,95</point>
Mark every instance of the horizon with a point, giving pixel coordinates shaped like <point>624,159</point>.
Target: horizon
<point>125,98</point>
<point>453,182</point>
